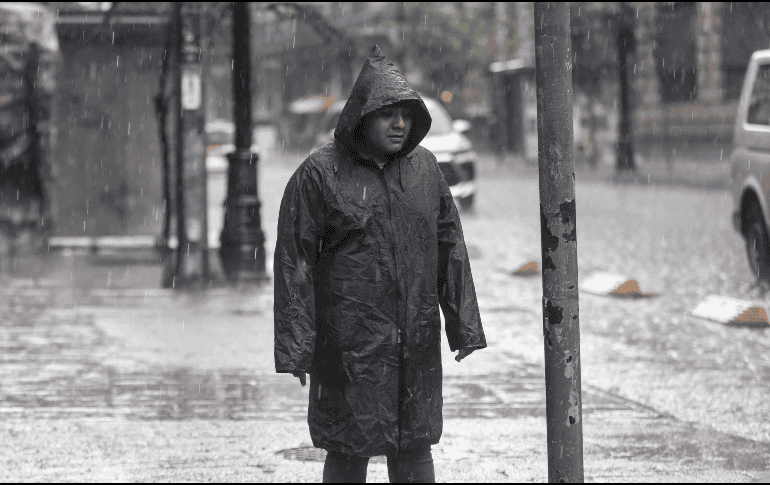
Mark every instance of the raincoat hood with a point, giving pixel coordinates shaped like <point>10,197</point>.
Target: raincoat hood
<point>378,85</point>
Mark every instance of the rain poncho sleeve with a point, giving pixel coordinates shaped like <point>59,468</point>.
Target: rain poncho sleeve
<point>456,293</point>
<point>295,258</point>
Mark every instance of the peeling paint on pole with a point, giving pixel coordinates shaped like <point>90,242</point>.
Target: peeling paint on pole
<point>561,329</point>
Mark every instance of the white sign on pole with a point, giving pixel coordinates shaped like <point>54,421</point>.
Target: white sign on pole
<point>191,90</point>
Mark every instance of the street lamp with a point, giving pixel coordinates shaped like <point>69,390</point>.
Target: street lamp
<point>242,250</point>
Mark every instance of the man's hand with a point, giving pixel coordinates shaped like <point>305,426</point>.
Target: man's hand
<point>463,353</point>
<point>301,376</point>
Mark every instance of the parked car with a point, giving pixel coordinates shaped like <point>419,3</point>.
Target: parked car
<point>453,150</point>
<point>750,161</point>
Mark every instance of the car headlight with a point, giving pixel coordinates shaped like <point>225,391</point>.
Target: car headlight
<point>463,157</point>
<point>443,157</point>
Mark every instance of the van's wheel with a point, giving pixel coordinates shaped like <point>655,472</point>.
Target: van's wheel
<point>466,203</point>
<point>757,245</point>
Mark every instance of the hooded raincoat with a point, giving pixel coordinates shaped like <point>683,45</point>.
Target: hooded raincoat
<point>364,259</point>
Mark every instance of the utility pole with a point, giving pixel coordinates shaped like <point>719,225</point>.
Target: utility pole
<point>242,250</point>
<point>194,157</point>
<point>524,25</point>
<point>32,103</point>
<point>501,29</point>
<point>556,159</point>
<point>181,230</point>
<point>34,165</point>
<point>400,41</point>
<point>205,30</point>
<point>625,39</point>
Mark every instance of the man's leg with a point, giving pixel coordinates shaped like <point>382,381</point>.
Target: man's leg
<point>412,467</point>
<point>342,468</point>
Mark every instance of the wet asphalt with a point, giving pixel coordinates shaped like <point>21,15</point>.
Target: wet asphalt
<point>104,376</point>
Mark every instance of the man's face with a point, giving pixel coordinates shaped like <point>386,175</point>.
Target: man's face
<point>388,128</point>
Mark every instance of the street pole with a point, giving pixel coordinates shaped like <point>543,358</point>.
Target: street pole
<point>194,160</point>
<point>161,110</point>
<point>501,29</point>
<point>181,230</point>
<point>556,159</point>
<point>400,51</point>
<point>625,39</point>
<point>205,30</point>
<point>242,250</point>
<point>32,102</point>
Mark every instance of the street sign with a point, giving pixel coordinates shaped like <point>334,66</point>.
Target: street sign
<point>191,90</point>
<point>731,311</point>
<point>602,283</point>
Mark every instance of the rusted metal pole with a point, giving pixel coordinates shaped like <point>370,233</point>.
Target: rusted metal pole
<point>556,159</point>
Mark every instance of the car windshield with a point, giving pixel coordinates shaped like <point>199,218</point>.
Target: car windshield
<point>330,123</point>
<point>442,122</point>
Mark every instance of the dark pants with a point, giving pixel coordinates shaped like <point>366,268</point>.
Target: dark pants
<point>411,467</point>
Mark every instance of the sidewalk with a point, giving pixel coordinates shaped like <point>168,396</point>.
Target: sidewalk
<point>128,383</point>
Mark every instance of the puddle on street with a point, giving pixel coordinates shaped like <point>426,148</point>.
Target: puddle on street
<point>98,392</point>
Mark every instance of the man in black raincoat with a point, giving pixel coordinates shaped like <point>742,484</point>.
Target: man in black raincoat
<point>369,246</point>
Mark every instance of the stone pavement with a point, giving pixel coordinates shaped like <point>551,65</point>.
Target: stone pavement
<point>104,377</point>
<point>112,380</point>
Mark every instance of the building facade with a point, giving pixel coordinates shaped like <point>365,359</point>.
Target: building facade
<point>107,162</point>
<point>690,61</point>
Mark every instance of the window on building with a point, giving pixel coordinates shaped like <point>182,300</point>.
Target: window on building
<point>759,106</point>
<point>676,50</point>
<point>743,32</point>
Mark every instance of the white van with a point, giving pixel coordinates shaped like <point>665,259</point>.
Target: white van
<point>751,164</point>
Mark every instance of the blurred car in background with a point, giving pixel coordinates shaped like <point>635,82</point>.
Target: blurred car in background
<point>453,150</point>
<point>750,161</point>
<point>220,136</point>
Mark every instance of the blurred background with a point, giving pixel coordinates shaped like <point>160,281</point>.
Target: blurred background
<point>105,135</point>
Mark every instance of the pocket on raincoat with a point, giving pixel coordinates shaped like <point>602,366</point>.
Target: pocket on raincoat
<point>429,332</point>
<point>332,403</point>
<point>327,364</point>
<point>349,303</point>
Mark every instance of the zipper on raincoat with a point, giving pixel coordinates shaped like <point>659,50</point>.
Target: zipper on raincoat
<point>401,382</point>
<point>400,387</point>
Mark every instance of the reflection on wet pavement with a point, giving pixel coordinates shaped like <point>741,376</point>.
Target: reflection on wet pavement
<point>53,366</point>
<point>513,396</point>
